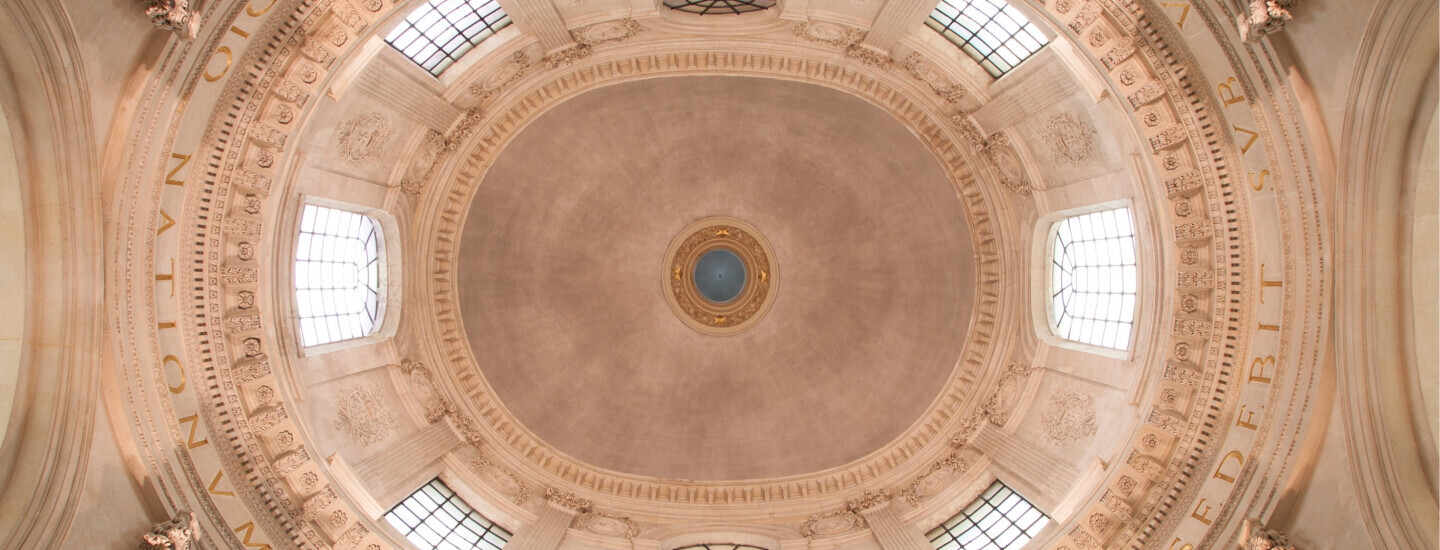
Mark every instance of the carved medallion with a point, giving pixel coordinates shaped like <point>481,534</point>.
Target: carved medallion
<point>1069,417</point>
<point>756,288</point>
<point>608,525</point>
<point>1071,141</point>
<point>363,137</point>
<point>830,524</point>
<point>362,415</point>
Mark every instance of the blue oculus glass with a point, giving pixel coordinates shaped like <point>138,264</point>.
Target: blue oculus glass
<point>719,275</point>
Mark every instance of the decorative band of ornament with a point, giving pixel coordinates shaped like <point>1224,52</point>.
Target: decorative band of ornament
<point>756,294</point>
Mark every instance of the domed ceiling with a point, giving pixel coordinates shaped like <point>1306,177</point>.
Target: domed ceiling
<point>562,276</point>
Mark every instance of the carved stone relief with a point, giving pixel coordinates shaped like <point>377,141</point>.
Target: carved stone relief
<point>869,57</point>
<point>362,414</point>
<point>828,33</point>
<point>608,525</point>
<point>996,407</point>
<point>567,499</point>
<point>940,475</point>
<point>503,479</point>
<point>498,79</point>
<point>610,31</point>
<point>1068,417</point>
<point>931,75</point>
<point>363,137</point>
<point>831,524</point>
<point>1255,536</point>
<point>1071,140</point>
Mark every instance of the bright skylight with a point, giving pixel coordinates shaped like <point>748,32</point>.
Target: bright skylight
<point>337,275</point>
<point>1092,278</point>
<point>439,32</point>
<point>992,32</point>
<point>998,520</point>
<point>435,517</point>
<point>713,546</point>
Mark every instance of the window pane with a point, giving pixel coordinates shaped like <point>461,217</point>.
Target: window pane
<point>1093,278</point>
<point>336,271</point>
<point>993,33</point>
<point>998,519</point>
<point>435,35</point>
<point>434,517</point>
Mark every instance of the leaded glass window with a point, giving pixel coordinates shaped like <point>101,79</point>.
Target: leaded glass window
<point>999,519</point>
<point>707,7</point>
<point>436,34</point>
<point>435,517</point>
<point>992,32</point>
<point>1093,278</point>
<point>337,275</point>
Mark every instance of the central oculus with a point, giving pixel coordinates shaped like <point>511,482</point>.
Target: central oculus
<point>719,275</point>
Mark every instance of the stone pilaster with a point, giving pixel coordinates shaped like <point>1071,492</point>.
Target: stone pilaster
<point>388,475</point>
<point>885,524</point>
<point>1041,477</point>
<point>386,81</point>
<point>896,18</point>
<point>547,532</point>
<point>541,18</point>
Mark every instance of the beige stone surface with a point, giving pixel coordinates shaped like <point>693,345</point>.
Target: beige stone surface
<point>561,294</point>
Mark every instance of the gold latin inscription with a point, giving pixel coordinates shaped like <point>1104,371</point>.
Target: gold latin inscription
<point>172,359</point>
<point>1226,91</point>
<point>1184,11</point>
<point>1245,421</point>
<point>168,277</point>
<point>216,482</point>
<point>169,222</point>
<point>1220,470</point>
<point>228,59</point>
<point>249,529</point>
<point>184,159</point>
<point>239,31</point>
<point>1261,362</point>
<point>1274,328</point>
<point>250,9</point>
<point>1260,185</point>
<point>194,421</point>
<point>1177,541</point>
<point>1202,515</point>
<point>1253,136</point>
<point>1264,284</point>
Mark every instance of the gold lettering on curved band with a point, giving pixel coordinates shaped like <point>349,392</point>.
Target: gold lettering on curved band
<point>1260,185</point>
<point>176,360</point>
<point>228,59</point>
<point>194,421</point>
<point>250,9</point>
<point>249,529</point>
<point>1239,462</point>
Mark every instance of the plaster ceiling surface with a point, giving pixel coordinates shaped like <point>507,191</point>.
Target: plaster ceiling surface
<point>561,278</point>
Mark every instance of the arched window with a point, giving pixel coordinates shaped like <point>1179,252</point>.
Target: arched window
<point>338,283</point>
<point>998,519</point>
<point>1092,278</point>
<point>709,7</point>
<point>992,32</point>
<point>435,517</point>
<point>436,34</point>
<point>720,546</point>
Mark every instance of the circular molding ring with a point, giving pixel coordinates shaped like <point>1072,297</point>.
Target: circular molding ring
<point>756,296</point>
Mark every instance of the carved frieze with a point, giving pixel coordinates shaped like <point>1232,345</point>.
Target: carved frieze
<point>504,479</point>
<point>924,71</point>
<point>940,475</point>
<point>498,79</point>
<point>567,499</point>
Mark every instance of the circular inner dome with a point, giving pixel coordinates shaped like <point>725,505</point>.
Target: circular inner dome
<point>719,275</point>
<point>578,220</point>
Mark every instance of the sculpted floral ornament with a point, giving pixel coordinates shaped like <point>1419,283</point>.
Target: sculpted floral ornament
<point>608,525</point>
<point>996,407</point>
<point>1255,536</point>
<point>362,415</point>
<point>940,474</point>
<point>931,75</point>
<point>996,149</point>
<point>363,137</point>
<point>831,524</point>
<point>1265,17</point>
<point>567,499</point>
<point>503,479</point>
<point>611,31</point>
<point>175,534</point>
<point>175,16</point>
<point>827,33</point>
<point>1068,417</point>
<point>1071,140</point>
